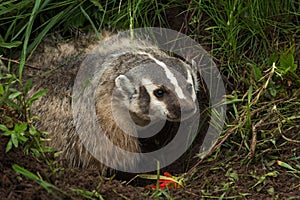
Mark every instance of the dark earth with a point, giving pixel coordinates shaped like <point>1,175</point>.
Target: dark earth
<point>226,174</point>
<point>254,180</point>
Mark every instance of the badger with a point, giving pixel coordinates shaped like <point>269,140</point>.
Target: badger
<point>130,86</point>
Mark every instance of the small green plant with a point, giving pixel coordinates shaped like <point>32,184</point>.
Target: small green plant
<point>17,98</point>
<point>287,66</point>
<point>16,116</point>
<point>26,136</point>
<point>17,135</point>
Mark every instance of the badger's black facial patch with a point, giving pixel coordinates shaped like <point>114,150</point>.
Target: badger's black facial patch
<point>174,110</point>
<point>144,100</point>
<point>172,104</point>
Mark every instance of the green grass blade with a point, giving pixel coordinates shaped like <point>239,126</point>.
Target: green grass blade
<point>50,25</point>
<point>27,36</point>
<point>91,22</point>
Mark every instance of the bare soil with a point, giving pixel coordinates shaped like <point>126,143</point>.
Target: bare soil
<point>255,179</point>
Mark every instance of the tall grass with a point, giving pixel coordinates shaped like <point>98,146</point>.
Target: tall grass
<point>27,22</point>
<point>256,46</point>
<point>246,33</point>
<point>248,27</point>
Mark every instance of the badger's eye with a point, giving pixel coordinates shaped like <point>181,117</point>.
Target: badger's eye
<point>189,87</point>
<point>159,93</point>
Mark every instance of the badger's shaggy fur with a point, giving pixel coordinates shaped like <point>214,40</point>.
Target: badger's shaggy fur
<point>136,91</point>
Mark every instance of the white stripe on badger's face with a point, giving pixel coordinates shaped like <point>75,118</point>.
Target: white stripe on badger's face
<point>169,75</point>
<point>190,80</point>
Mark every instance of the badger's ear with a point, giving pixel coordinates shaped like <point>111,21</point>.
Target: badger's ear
<point>125,86</point>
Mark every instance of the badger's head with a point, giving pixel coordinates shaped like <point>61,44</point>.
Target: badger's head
<point>159,89</point>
